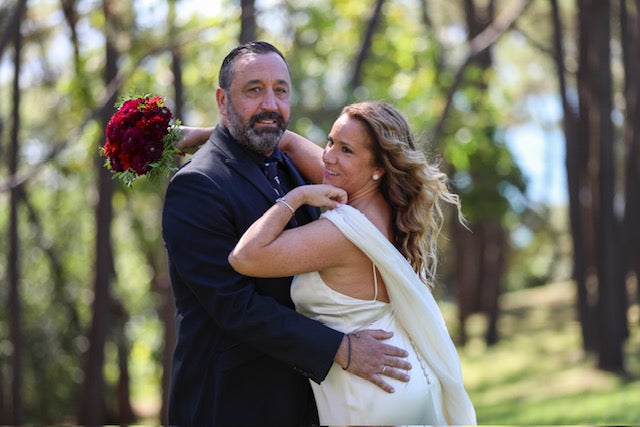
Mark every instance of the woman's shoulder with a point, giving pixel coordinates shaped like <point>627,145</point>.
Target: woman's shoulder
<point>349,217</point>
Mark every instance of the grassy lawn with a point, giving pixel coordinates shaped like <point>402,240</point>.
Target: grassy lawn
<point>538,375</point>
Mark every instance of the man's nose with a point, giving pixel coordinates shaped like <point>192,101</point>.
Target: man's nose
<point>269,101</point>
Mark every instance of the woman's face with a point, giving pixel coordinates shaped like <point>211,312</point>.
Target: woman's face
<point>348,157</point>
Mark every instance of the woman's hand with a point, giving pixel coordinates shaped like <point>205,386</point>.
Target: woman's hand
<point>320,195</point>
<point>192,138</point>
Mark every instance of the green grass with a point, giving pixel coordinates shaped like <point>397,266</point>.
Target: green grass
<point>538,374</point>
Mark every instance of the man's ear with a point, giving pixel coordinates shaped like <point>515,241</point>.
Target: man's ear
<point>222,99</point>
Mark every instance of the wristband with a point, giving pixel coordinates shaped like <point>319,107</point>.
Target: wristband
<point>284,202</point>
<point>349,353</point>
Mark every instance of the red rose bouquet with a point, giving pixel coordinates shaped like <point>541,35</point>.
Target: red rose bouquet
<point>140,140</point>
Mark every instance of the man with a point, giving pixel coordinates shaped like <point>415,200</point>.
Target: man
<point>243,355</point>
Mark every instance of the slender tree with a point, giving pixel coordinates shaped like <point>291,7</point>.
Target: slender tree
<point>248,31</point>
<point>572,165</point>
<point>13,262</point>
<point>481,255</point>
<point>611,312</point>
<point>630,37</point>
<point>93,411</point>
<point>365,46</point>
<point>161,282</point>
<point>596,184</point>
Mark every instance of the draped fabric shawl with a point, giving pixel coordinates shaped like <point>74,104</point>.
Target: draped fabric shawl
<point>414,306</point>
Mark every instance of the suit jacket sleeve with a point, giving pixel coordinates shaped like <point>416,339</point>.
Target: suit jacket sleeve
<point>202,222</point>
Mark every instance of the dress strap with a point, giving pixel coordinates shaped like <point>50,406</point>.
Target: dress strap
<point>375,282</point>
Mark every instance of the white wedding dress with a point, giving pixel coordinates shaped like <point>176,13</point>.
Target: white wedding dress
<point>435,395</point>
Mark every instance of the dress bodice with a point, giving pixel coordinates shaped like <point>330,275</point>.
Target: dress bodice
<point>315,299</point>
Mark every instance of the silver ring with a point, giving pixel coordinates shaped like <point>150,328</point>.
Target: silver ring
<point>383,369</point>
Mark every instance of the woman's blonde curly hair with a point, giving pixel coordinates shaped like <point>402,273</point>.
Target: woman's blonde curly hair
<point>414,188</point>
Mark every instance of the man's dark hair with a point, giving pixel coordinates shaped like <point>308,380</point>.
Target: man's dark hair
<point>257,47</point>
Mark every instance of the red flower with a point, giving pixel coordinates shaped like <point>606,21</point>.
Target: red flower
<point>139,139</point>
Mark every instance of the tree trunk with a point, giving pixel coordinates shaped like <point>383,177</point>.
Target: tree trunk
<point>602,229</point>
<point>586,157</point>
<point>93,411</point>
<point>161,282</point>
<point>365,47</point>
<point>573,180</point>
<point>611,290</point>
<point>493,261</point>
<point>125,411</point>
<point>630,36</point>
<point>466,278</point>
<point>167,317</point>
<point>248,31</point>
<point>13,262</point>
<point>11,30</point>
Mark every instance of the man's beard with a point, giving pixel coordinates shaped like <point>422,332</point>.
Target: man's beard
<point>261,140</point>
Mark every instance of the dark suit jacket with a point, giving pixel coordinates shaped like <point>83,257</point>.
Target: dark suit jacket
<point>243,355</point>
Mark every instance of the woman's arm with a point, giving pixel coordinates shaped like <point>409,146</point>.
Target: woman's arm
<point>192,138</point>
<point>265,250</point>
<point>306,155</point>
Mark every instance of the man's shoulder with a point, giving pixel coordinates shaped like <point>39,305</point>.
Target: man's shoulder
<point>209,157</point>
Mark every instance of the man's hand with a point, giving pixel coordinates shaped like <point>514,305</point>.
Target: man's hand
<point>371,359</point>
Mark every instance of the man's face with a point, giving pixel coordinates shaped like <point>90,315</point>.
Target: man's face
<point>256,109</point>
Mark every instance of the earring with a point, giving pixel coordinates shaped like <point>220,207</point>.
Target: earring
<point>376,177</point>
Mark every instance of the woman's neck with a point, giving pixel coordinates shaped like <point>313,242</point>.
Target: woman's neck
<point>374,206</point>
<point>365,198</point>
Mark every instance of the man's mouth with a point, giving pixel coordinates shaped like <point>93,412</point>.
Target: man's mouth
<point>267,122</point>
<point>268,119</point>
<point>330,172</point>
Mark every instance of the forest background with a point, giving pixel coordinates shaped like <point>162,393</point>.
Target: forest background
<point>532,107</point>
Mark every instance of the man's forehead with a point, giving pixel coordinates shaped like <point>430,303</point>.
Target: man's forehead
<point>262,67</point>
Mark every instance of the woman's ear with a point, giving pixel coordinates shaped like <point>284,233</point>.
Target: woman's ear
<point>378,173</point>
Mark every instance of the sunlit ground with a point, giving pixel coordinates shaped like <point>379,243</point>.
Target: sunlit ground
<point>536,375</point>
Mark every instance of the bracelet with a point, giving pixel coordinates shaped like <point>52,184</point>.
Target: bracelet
<point>284,202</point>
<point>349,353</point>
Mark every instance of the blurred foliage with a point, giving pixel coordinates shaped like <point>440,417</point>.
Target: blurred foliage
<point>410,65</point>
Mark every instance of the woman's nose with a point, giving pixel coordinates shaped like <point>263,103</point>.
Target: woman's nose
<point>326,156</point>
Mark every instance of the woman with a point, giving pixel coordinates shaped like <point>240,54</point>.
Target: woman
<point>368,264</point>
